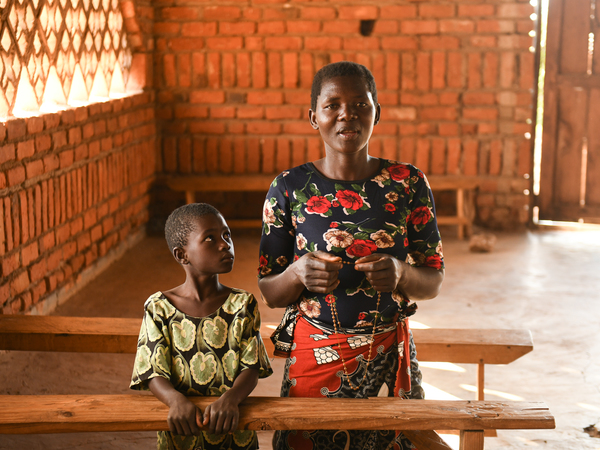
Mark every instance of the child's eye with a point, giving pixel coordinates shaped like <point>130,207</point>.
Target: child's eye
<point>227,235</point>
<point>209,237</point>
<point>361,104</point>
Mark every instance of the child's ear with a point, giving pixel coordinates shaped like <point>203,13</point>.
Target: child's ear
<point>312,119</point>
<point>180,256</point>
<point>377,114</point>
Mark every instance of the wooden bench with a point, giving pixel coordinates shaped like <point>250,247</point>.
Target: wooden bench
<point>118,335</point>
<point>33,414</point>
<point>190,184</point>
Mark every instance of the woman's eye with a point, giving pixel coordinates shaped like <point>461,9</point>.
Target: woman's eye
<point>209,238</point>
<point>361,105</point>
<point>227,236</point>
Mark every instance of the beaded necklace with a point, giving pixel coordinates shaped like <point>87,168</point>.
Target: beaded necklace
<point>337,326</point>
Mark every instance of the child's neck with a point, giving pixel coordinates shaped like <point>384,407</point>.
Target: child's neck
<point>199,297</point>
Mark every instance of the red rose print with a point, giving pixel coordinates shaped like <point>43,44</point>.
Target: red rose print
<point>330,298</point>
<point>390,207</point>
<point>399,172</point>
<point>362,316</point>
<point>406,242</point>
<point>335,203</point>
<point>421,215</point>
<point>318,204</point>
<point>349,199</point>
<point>296,257</point>
<point>263,261</point>
<point>361,247</point>
<point>334,225</point>
<point>433,261</point>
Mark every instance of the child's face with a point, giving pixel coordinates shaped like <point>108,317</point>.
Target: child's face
<point>345,114</point>
<point>209,249</point>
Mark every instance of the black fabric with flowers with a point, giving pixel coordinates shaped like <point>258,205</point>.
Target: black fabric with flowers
<point>393,213</point>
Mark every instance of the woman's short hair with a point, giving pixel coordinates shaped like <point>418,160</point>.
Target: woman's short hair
<point>341,69</point>
<point>182,222</point>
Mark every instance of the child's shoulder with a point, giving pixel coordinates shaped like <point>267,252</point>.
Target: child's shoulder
<point>239,300</point>
<point>158,305</point>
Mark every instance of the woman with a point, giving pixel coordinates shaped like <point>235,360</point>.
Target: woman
<point>348,241</point>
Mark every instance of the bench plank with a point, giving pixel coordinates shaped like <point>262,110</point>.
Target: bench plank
<point>25,414</point>
<point>118,335</point>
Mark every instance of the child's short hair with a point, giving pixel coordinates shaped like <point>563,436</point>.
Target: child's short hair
<point>181,222</point>
<point>341,69</point>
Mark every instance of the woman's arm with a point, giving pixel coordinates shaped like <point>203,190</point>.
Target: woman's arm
<point>184,417</point>
<point>223,415</point>
<point>387,273</point>
<point>316,271</point>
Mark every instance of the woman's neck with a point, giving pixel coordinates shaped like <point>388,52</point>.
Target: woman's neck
<point>347,167</point>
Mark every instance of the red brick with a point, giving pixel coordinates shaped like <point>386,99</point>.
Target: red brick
<point>320,13</point>
<point>487,128</point>
<point>303,26</point>
<point>283,112</point>
<point>254,43</point>
<point>436,10</point>
<point>207,127</point>
<point>184,44</point>
<point>264,98</point>
<point>476,10</point>
<point>283,43</point>
<point>515,10</point>
<point>16,128</point>
<point>259,67</point>
<point>38,270</point>
<point>495,26</point>
<point>298,127</point>
<point>341,27</point>
<point>10,263</point>
<point>274,27</point>
<point>470,157</point>
<point>480,113</point>
<point>322,43</point>
<point>398,11</point>
<point>225,43</point>
<point>15,175</point>
<point>7,153</point>
<point>263,128</point>
<point>290,70</point>
<point>222,112</point>
<point>207,96</point>
<point>35,125</point>
<point>439,43</point>
<point>25,149</point>
<point>399,43</point>
<point>386,27</point>
<point>74,134</point>
<point>274,71</point>
<point>250,112</point>
<point>19,283</point>
<point>457,26</point>
<point>171,28</point>
<point>178,13</point>
<point>419,27</point>
<point>479,98</point>
<point>363,12</point>
<point>237,28</point>
<point>29,253</point>
<point>438,113</point>
<point>507,67</point>
<point>34,168</point>
<point>221,12</point>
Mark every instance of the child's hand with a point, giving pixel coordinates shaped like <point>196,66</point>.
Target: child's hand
<point>184,417</point>
<point>222,416</point>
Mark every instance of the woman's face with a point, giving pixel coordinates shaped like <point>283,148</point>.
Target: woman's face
<point>345,114</point>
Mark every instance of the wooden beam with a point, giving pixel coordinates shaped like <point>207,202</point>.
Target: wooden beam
<point>26,414</point>
<point>118,335</point>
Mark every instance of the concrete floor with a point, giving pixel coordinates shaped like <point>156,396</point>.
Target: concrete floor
<point>545,281</point>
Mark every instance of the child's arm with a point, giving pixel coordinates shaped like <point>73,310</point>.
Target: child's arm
<point>223,415</point>
<point>184,417</point>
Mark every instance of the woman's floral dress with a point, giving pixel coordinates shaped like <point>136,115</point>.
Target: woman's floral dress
<point>392,212</point>
<point>201,356</point>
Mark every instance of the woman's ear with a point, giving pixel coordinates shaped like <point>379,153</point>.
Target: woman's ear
<point>377,114</point>
<point>180,256</point>
<point>312,119</point>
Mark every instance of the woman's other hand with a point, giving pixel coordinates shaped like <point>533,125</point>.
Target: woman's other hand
<point>382,270</point>
<point>318,271</point>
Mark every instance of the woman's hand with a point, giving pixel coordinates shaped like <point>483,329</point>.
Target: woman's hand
<point>222,416</point>
<point>318,271</point>
<point>184,417</point>
<point>383,271</point>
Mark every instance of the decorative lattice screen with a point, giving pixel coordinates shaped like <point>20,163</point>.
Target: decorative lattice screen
<point>58,52</point>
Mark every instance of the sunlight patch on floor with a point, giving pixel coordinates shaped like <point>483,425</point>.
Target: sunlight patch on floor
<point>433,393</point>
<point>587,406</point>
<point>504,395</point>
<point>417,325</point>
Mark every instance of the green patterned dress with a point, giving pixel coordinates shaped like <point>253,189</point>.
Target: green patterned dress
<point>201,356</point>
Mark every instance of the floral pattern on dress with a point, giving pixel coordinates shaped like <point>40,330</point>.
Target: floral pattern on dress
<point>392,212</point>
<point>201,356</point>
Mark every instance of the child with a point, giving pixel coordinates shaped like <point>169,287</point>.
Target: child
<point>201,338</point>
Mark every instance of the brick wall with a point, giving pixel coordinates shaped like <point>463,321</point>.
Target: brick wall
<point>73,188</point>
<point>454,79</point>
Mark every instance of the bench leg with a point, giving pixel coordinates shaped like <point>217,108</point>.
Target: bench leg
<point>460,212</point>
<point>471,440</point>
<point>480,380</point>
<point>190,197</point>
